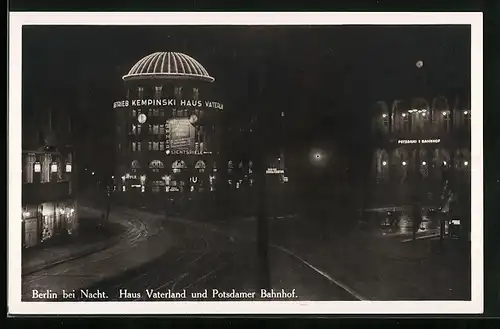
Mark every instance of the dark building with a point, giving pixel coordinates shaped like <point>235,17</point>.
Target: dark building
<point>420,143</point>
<point>48,191</point>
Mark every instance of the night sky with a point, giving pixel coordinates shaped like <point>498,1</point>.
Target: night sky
<point>327,78</point>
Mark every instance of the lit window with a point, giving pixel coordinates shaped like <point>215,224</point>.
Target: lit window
<point>150,129</point>
<point>37,167</point>
<point>134,129</point>
<point>162,129</point>
<point>162,112</point>
<point>139,146</point>
<point>158,91</point>
<point>150,112</point>
<point>134,113</point>
<point>140,92</point>
<point>178,92</point>
<point>196,93</point>
<point>155,146</point>
<point>156,129</point>
<point>53,167</point>
<point>134,148</point>
<point>68,167</point>
<point>162,146</point>
<point>139,129</point>
<point>150,146</point>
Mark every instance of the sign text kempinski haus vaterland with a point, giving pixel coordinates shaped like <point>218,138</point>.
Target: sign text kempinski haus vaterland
<point>169,102</point>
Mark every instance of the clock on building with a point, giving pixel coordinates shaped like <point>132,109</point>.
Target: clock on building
<point>142,118</point>
<point>193,119</point>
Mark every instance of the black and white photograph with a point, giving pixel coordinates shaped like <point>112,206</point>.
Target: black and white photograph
<point>245,163</point>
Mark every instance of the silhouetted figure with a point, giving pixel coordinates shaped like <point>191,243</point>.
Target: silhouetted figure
<point>416,219</point>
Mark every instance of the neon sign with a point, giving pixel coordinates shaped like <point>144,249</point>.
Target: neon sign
<point>419,141</point>
<point>186,152</point>
<point>168,102</point>
<point>274,171</point>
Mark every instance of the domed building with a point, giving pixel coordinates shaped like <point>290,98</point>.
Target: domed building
<point>165,126</point>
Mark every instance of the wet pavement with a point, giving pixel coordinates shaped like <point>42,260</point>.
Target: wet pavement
<point>398,222</point>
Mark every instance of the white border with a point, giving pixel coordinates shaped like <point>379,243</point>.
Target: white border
<point>18,19</point>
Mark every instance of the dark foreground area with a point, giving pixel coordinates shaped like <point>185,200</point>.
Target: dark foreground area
<point>207,266</point>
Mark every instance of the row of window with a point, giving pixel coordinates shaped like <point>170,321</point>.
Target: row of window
<point>161,112</point>
<point>421,121</point>
<point>153,129</point>
<point>152,146</point>
<point>159,92</point>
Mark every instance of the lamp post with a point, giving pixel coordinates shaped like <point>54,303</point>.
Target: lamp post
<point>417,209</point>
<point>257,84</point>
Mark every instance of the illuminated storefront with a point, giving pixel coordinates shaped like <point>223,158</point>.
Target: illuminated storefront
<point>48,205</point>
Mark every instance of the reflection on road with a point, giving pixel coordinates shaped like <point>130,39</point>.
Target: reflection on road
<point>400,222</point>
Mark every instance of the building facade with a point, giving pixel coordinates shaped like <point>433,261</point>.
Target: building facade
<point>421,141</point>
<point>166,127</point>
<point>49,204</point>
<point>172,133</point>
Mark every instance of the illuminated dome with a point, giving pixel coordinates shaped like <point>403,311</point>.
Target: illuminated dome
<point>168,65</point>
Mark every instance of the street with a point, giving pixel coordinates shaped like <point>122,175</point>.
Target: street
<point>178,257</point>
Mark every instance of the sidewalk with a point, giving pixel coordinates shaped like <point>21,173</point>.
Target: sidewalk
<point>144,240</point>
<point>93,236</point>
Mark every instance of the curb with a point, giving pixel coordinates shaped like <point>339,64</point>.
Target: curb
<point>73,256</point>
<point>91,249</point>
<point>427,237</point>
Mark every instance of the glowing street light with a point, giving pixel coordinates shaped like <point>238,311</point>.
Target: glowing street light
<point>384,115</point>
<point>445,163</point>
<point>424,163</point>
<point>466,163</point>
<point>403,163</point>
<point>384,163</point>
<point>37,167</point>
<point>444,113</point>
<point>403,115</point>
<point>466,112</point>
